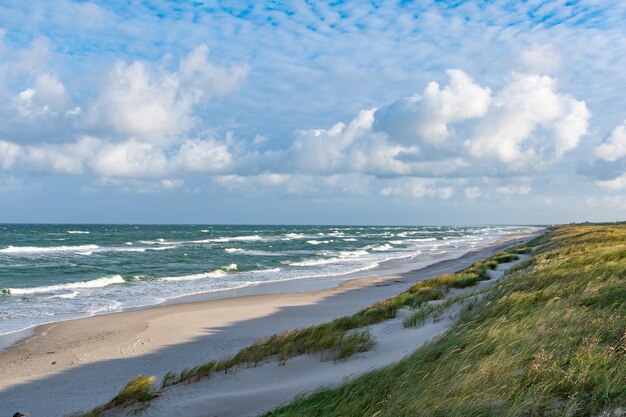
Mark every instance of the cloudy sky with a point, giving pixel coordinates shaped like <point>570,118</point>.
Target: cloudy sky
<point>379,112</point>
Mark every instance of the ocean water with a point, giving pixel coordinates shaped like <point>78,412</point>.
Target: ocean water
<point>57,272</point>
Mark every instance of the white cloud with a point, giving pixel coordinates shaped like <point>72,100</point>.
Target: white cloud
<point>46,96</point>
<point>514,189</point>
<point>472,193</point>
<point>525,115</point>
<point>67,158</point>
<point>426,118</point>
<point>614,148</point>
<point>541,58</point>
<point>142,100</point>
<point>130,159</point>
<point>418,188</point>
<point>204,156</point>
<point>9,153</point>
<point>617,183</point>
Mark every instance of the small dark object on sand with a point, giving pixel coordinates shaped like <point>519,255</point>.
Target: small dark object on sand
<point>20,414</point>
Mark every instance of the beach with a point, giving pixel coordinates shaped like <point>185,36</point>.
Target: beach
<point>76,364</point>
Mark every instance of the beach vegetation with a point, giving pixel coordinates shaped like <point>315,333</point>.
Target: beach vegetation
<point>548,339</point>
<point>137,391</point>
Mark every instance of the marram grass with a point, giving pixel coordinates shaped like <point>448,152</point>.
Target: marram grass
<point>138,390</point>
<point>549,339</point>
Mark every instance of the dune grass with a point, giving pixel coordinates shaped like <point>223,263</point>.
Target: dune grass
<point>549,339</point>
<point>326,340</point>
<point>140,389</point>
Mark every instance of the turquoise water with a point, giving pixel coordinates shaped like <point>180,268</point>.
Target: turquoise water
<point>57,272</point>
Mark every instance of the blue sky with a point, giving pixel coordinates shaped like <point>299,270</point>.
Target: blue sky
<point>429,112</point>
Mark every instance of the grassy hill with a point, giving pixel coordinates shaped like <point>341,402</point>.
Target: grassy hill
<point>547,340</point>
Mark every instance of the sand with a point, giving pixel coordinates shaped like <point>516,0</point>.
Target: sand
<point>74,365</point>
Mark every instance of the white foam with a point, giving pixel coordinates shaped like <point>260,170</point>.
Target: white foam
<point>253,252</point>
<point>51,249</point>
<point>77,232</point>
<point>382,248</point>
<point>354,253</point>
<point>426,239</point>
<point>317,242</point>
<point>95,283</point>
<point>291,236</point>
<point>231,239</point>
<point>213,274</point>
<point>231,267</point>
<point>350,239</point>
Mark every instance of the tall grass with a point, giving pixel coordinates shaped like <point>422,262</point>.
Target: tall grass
<point>546,340</point>
<point>139,390</point>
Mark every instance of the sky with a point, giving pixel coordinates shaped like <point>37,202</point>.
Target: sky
<point>306,112</point>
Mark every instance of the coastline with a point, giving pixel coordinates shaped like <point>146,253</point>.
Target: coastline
<point>66,357</point>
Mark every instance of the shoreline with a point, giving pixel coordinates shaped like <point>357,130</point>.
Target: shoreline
<point>177,335</point>
<point>401,265</point>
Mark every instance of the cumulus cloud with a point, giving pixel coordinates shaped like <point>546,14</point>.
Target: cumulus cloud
<point>457,130</point>
<point>204,156</point>
<point>529,118</point>
<point>145,100</point>
<point>66,158</point>
<point>130,159</point>
<point>426,118</point>
<point>46,97</point>
<point>9,153</point>
<point>614,148</point>
<point>617,183</point>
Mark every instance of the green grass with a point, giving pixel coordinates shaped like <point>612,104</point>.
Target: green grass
<point>548,339</point>
<point>139,390</point>
<point>327,340</point>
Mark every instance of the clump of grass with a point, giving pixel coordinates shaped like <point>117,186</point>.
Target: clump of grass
<point>505,258</point>
<point>547,340</point>
<point>329,340</point>
<point>522,250</point>
<point>138,390</point>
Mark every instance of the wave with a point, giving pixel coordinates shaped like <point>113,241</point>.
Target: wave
<point>251,238</point>
<point>315,262</point>
<point>318,242</point>
<point>291,236</point>
<point>77,232</point>
<point>382,248</point>
<point>350,239</point>
<point>50,249</point>
<point>213,274</point>
<point>253,252</point>
<point>95,283</point>
<point>346,256</point>
<point>216,273</point>
<point>426,239</point>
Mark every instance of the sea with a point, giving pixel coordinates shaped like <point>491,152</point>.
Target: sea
<point>50,273</point>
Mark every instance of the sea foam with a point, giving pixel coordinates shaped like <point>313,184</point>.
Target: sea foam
<point>94,283</point>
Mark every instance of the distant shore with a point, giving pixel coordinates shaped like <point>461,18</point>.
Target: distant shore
<point>89,359</point>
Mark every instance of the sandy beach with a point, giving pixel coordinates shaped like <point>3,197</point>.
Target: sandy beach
<point>70,366</point>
